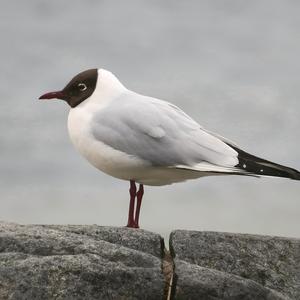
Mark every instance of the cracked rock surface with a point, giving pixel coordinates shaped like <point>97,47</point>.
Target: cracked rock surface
<point>237,266</point>
<point>79,262</point>
<point>97,262</point>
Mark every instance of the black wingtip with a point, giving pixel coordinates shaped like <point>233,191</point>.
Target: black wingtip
<point>259,166</point>
<point>297,175</point>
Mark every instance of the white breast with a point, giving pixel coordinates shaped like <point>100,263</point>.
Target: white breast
<point>103,157</point>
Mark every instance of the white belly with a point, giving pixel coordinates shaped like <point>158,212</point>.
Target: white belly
<point>116,163</point>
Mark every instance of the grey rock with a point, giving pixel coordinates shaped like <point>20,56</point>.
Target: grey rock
<point>199,283</point>
<point>95,262</point>
<point>150,242</point>
<point>73,262</point>
<point>271,262</point>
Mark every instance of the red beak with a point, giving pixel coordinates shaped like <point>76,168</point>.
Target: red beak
<point>52,95</point>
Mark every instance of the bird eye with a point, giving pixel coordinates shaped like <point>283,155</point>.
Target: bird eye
<point>82,87</point>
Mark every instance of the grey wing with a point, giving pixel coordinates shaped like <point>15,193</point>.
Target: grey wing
<point>159,133</point>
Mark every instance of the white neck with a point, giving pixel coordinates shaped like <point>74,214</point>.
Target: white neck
<point>108,81</point>
<point>108,87</point>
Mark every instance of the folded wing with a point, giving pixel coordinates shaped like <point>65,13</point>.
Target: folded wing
<point>161,134</point>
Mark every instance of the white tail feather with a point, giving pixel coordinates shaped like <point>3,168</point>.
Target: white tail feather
<point>207,167</point>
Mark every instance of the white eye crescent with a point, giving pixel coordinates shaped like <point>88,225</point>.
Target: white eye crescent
<point>82,87</point>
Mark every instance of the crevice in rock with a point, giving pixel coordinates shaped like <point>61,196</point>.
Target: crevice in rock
<point>168,271</point>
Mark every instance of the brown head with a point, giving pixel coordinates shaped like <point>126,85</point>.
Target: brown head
<point>77,90</point>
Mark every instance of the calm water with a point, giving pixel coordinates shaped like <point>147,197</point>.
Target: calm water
<point>234,66</point>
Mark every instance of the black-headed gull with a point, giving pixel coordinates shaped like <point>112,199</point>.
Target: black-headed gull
<point>146,140</point>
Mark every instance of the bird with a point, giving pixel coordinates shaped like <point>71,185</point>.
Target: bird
<point>148,141</point>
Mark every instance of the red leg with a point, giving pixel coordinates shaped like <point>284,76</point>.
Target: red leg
<point>132,192</point>
<point>139,196</point>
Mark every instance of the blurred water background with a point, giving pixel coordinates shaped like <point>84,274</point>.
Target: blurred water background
<point>232,65</point>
